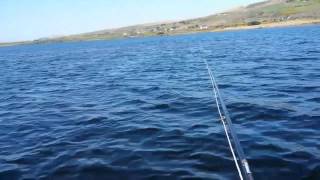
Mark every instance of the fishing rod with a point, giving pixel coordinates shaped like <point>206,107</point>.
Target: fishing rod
<point>233,141</point>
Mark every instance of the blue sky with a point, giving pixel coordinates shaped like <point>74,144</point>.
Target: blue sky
<point>32,19</point>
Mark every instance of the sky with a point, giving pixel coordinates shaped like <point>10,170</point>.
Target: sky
<point>32,19</point>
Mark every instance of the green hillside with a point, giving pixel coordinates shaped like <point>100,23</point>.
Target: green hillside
<point>263,13</point>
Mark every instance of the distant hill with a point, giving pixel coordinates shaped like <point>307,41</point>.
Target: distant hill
<point>263,14</point>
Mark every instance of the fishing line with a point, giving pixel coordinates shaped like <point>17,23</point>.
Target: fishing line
<point>227,125</point>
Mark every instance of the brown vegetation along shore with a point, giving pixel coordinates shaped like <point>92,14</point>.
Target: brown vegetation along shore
<point>297,22</point>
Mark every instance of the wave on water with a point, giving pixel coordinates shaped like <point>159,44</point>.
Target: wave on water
<point>143,108</point>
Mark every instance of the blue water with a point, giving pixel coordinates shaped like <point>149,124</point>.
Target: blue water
<point>143,108</point>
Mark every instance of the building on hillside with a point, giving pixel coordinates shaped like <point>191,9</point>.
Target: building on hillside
<point>203,27</point>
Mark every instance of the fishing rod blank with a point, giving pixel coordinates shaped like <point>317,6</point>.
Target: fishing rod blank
<point>243,169</point>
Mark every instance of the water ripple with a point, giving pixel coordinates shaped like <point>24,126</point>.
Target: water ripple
<point>143,108</point>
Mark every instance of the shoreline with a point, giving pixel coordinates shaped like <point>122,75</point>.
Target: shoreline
<point>289,23</point>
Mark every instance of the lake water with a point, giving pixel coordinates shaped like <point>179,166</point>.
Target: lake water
<point>143,108</point>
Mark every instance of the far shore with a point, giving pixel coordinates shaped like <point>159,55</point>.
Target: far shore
<point>288,23</point>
